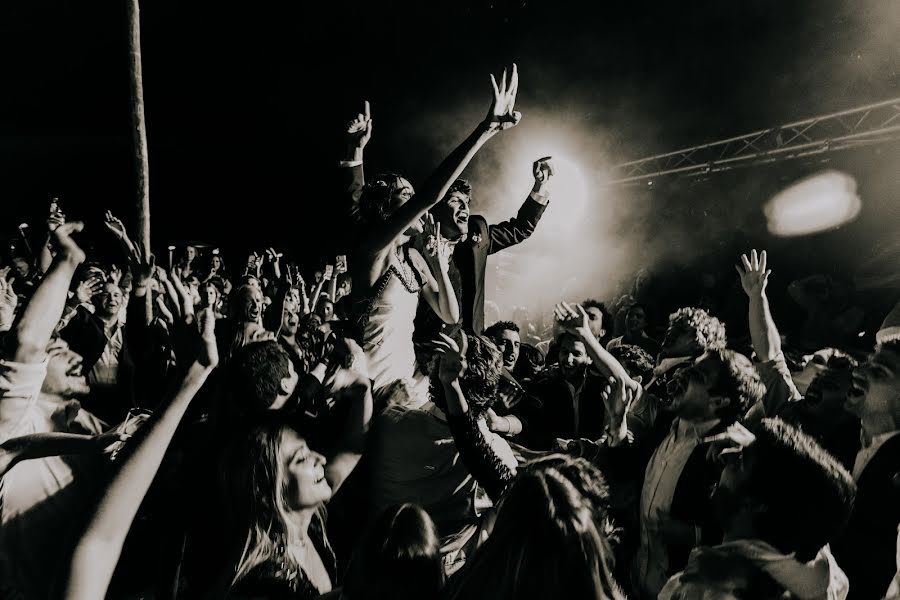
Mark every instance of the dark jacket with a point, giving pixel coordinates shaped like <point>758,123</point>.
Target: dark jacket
<point>557,413</point>
<point>867,550</point>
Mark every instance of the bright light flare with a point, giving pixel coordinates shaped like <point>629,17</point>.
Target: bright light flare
<point>568,196</point>
<point>821,202</point>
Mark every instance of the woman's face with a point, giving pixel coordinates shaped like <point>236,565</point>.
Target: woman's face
<point>305,485</point>
<point>216,262</point>
<point>210,295</point>
<point>326,310</point>
<point>191,253</point>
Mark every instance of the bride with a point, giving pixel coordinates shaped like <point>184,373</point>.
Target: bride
<point>397,274</point>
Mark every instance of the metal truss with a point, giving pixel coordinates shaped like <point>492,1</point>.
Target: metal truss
<point>863,126</point>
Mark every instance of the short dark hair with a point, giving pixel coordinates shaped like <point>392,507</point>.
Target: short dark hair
<point>499,326</point>
<point>256,371</point>
<point>635,359</point>
<point>738,380</point>
<point>594,303</point>
<point>807,495</point>
<point>460,185</point>
<point>375,200</point>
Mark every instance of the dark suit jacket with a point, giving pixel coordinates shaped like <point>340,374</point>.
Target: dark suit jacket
<point>467,271</point>
<point>557,412</point>
<point>867,550</point>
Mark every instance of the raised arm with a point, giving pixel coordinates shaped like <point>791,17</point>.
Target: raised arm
<point>41,315</point>
<point>355,389</point>
<point>519,228</point>
<point>54,220</point>
<point>359,132</point>
<point>500,116</point>
<point>476,453</point>
<point>438,290</point>
<point>622,390</point>
<point>97,553</point>
<point>763,332</point>
<point>780,388</point>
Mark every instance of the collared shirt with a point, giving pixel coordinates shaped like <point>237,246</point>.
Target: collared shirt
<point>106,370</point>
<point>575,391</point>
<point>660,480</point>
<point>42,497</point>
<point>868,451</point>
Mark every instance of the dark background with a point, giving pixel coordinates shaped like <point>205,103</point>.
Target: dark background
<point>246,103</point>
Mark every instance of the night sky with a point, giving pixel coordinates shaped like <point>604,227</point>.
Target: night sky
<point>246,101</point>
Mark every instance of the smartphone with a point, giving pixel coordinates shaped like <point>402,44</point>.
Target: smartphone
<point>341,263</point>
<point>329,270</point>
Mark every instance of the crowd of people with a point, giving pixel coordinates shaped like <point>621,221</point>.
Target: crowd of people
<point>200,432</point>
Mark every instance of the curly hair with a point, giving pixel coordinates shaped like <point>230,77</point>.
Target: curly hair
<point>635,359</point>
<point>709,330</point>
<point>256,371</point>
<point>479,382</point>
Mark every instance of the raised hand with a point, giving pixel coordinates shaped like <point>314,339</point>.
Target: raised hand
<point>571,319</point>
<point>55,218</point>
<point>730,442</point>
<point>501,114</point>
<point>8,301</point>
<point>64,243</point>
<point>88,288</point>
<point>618,398</point>
<point>329,271</point>
<point>359,131</point>
<point>452,358</point>
<point>209,350</point>
<point>115,226</point>
<point>115,274</point>
<point>543,170</point>
<point>437,250</point>
<point>754,276</point>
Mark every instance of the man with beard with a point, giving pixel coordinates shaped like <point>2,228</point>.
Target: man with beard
<point>40,379</point>
<point>866,551</point>
<point>675,513</point>
<point>780,500</point>
<point>513,409</point>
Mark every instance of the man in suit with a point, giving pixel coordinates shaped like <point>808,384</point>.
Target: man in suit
<point>473,239</point>
<point>675,510</point>
<point>866,551</point>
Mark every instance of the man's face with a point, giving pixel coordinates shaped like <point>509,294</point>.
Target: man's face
<point>453,215</point>
<point>595,316</point>
<point>509,344</point>
<point>690,390</point>
<point>635,319</point>
<point>680,340</point>
<point>22,267</point>
<point>876,386</point>
<point>109,301</point>
<point>64,378</point>
<point>822,407</point>
<point>251,304</point>
<point>573,357</point>
<point>290,319</point>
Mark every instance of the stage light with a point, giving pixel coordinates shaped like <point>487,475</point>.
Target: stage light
<point>824,201</point>
<point>568,195</point>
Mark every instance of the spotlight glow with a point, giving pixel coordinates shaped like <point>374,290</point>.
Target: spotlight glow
<point>568,196</point>
<point>824,201</point>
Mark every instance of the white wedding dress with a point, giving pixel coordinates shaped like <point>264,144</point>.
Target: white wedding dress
<point>388,327</point>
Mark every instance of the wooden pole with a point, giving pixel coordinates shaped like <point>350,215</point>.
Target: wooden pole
<point>139,126</point>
